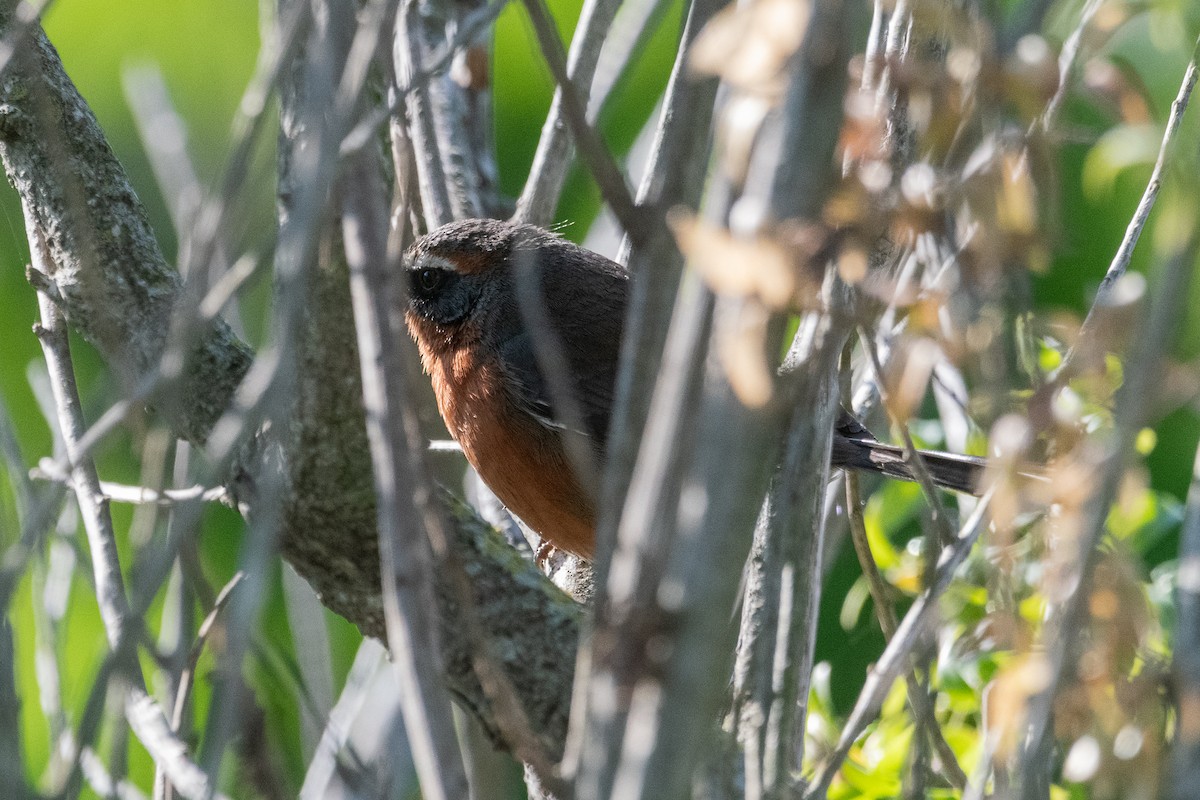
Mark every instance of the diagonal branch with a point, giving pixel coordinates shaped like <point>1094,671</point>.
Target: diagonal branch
<point>592,150</point>
<point>539,199</point>
<point>145,715</point>
<point>77,193</point>
<point>408,518</point>
<point>116,288</point>
<point>1124,254</point>
<point>909,634</point>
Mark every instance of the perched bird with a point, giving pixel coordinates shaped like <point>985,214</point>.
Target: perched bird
<point>465,316</point>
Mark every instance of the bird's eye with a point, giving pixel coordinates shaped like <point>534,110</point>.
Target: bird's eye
<point>429,280</point>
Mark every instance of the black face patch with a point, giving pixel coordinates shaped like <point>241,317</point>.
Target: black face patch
<point>440,295</point>
<point>426,282</point>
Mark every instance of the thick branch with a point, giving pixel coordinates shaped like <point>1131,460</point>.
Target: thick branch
<point>117,289</point>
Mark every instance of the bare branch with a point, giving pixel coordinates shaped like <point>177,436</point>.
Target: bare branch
<point>1133,232</point>
<point>1142,383</point>
<point>539,199</point>
<point>97,223</point>
<point>592,149</point>
<point>144,713</point>
<point>138,495</point>
<point>909,635</point>
<point>1066,67</point>
<point>405,498</point>
<point>1186,667</point>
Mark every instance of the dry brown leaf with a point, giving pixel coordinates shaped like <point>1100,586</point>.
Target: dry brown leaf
<point>732,266</point>
<point>1007,698</point>
<point>742,351</point>
<point>748,46</point>
<point>852,264</point>
<point>907,384</point>
<point>1016,197</point>
<point>864,129</point>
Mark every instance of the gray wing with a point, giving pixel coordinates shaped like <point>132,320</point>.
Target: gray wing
<point>588,319</point>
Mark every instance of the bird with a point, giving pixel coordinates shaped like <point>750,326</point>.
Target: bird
<point>464,312</point>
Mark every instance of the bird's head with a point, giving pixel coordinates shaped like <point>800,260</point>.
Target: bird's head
<point>462,276</point>
<point>452,270</point>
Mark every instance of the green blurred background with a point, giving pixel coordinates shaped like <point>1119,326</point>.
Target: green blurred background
<point>207,51</point>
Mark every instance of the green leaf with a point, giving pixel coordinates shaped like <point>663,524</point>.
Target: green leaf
<point>1119,149</point>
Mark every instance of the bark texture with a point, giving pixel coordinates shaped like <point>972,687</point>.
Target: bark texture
<point>119,292</point>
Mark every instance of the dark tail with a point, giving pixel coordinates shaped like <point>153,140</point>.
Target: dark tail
<point>950,471</point>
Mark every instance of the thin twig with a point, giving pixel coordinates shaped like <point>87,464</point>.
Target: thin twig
<point>885,612</point>
<point>631,32</point>
<point>49,470</point>
<point>188,676</point>
<point>1067,59</point>
<point>909,635</point>
<point>1124,254</point>
<point>912,455</point>
<point>405,512</point>
<point>144,713</point>
<point>540,196</point>
<point>595,154</point>
<point>177,625</point>
<point>873,57</point>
